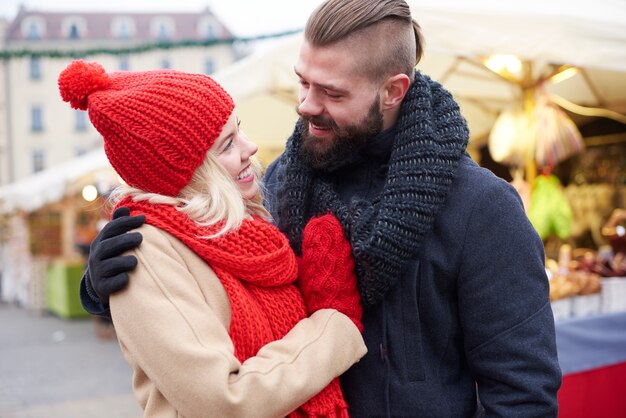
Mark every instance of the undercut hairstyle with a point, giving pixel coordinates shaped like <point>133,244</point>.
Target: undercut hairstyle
<point>389,40</point>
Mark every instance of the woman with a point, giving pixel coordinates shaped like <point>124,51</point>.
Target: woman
<point>212,322</point>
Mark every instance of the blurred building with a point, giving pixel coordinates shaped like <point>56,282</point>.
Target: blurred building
<point>51,155</point>
<point>38,130</point>
<point>4,150</point>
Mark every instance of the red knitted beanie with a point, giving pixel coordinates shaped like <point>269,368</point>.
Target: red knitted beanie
<point>157,125</point>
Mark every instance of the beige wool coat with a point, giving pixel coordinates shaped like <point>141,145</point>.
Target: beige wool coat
<point>172,324</point>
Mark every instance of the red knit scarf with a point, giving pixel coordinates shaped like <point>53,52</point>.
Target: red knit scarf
<point>258,269</point>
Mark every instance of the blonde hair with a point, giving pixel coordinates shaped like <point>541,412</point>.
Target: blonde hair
<point>211,197</point>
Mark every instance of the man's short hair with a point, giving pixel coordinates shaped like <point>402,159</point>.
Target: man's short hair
<point>393,39</point>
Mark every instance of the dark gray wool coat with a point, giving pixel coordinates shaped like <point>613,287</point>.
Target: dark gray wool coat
<point>469,315</point>
<point>472,308</point>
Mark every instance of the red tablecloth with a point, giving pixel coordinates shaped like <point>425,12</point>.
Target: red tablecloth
<point>592,355</point>
<point>599,393</point>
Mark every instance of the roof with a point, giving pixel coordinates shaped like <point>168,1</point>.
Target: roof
<point>50,185</point>
<point>98,25</point>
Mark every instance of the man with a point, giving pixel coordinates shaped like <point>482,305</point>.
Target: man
<point>450,271</point>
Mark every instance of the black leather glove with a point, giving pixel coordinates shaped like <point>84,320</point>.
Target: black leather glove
<point>107,269</point>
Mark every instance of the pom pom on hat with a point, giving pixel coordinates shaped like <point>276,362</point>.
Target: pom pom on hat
<point>79,80</point>
<point>157,125</point>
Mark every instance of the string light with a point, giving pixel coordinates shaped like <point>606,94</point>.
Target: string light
<point>503,63</point>
<point>6,54</point>
<point>90,193</point>
<point>564,74</point>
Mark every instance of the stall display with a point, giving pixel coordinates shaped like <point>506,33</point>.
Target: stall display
<point>615,233</point>
<point>591,205</point>
<point>591,327</point>
<point>585,282</point>
<point>550,212</point>
<point>573,291</point>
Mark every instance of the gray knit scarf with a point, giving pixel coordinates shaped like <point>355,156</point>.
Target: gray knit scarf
<point>386,234</point>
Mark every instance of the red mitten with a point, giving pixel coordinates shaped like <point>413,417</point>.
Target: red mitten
<point>327,278</point>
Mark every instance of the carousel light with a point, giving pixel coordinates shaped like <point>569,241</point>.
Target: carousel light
<point>504,64</point>
<point>90,193</point>
<point>563,74</point>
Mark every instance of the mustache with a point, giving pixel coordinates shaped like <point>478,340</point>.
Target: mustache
<point>318,120</point>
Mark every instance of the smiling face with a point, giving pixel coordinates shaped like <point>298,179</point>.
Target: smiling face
<point>340,108</point>
<point>233,150</point>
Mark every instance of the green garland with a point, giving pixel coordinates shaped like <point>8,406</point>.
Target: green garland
<point>136,49</point>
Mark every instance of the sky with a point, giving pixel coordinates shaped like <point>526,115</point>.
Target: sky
<point>242,17</point>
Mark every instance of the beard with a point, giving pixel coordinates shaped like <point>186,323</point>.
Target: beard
<point>328,154</point>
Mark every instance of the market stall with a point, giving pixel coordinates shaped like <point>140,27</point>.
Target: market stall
<point>48,220</point>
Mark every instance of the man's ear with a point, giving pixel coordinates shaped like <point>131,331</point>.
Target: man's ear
<point>394,90</point>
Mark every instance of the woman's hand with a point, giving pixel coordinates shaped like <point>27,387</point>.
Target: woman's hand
<point>327,278</point>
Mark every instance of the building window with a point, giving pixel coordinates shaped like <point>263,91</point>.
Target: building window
<point>166,64</point>
<point>39,161</point>
<point>162,28</point>
<point>33,31</point>
<point>123,27</point>
<point>209,66</point>
<point>33,27</point>
<point>210,32</point>
<point>81,120</point>
<point>123,63</point>
<point>74,27</point>
<point>73,32</point>
<point>162,32</point>
<point>35,68</point>
<point>207,27</point>
<point>36,119</point>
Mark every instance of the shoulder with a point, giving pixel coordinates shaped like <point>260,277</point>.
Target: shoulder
<point>159,243</point>
<point>479,201</point>
<point>475,178</point>
<point>160,250</point>
<point>488,212</point>
<point>153,233</point>
<point>156,240</point>
<point>475,185</point>
<point>167,268</point>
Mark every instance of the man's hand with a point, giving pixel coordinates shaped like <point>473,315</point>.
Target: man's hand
<point>108,269</point>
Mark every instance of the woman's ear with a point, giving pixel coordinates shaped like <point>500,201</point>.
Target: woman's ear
<point>394,90</point>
